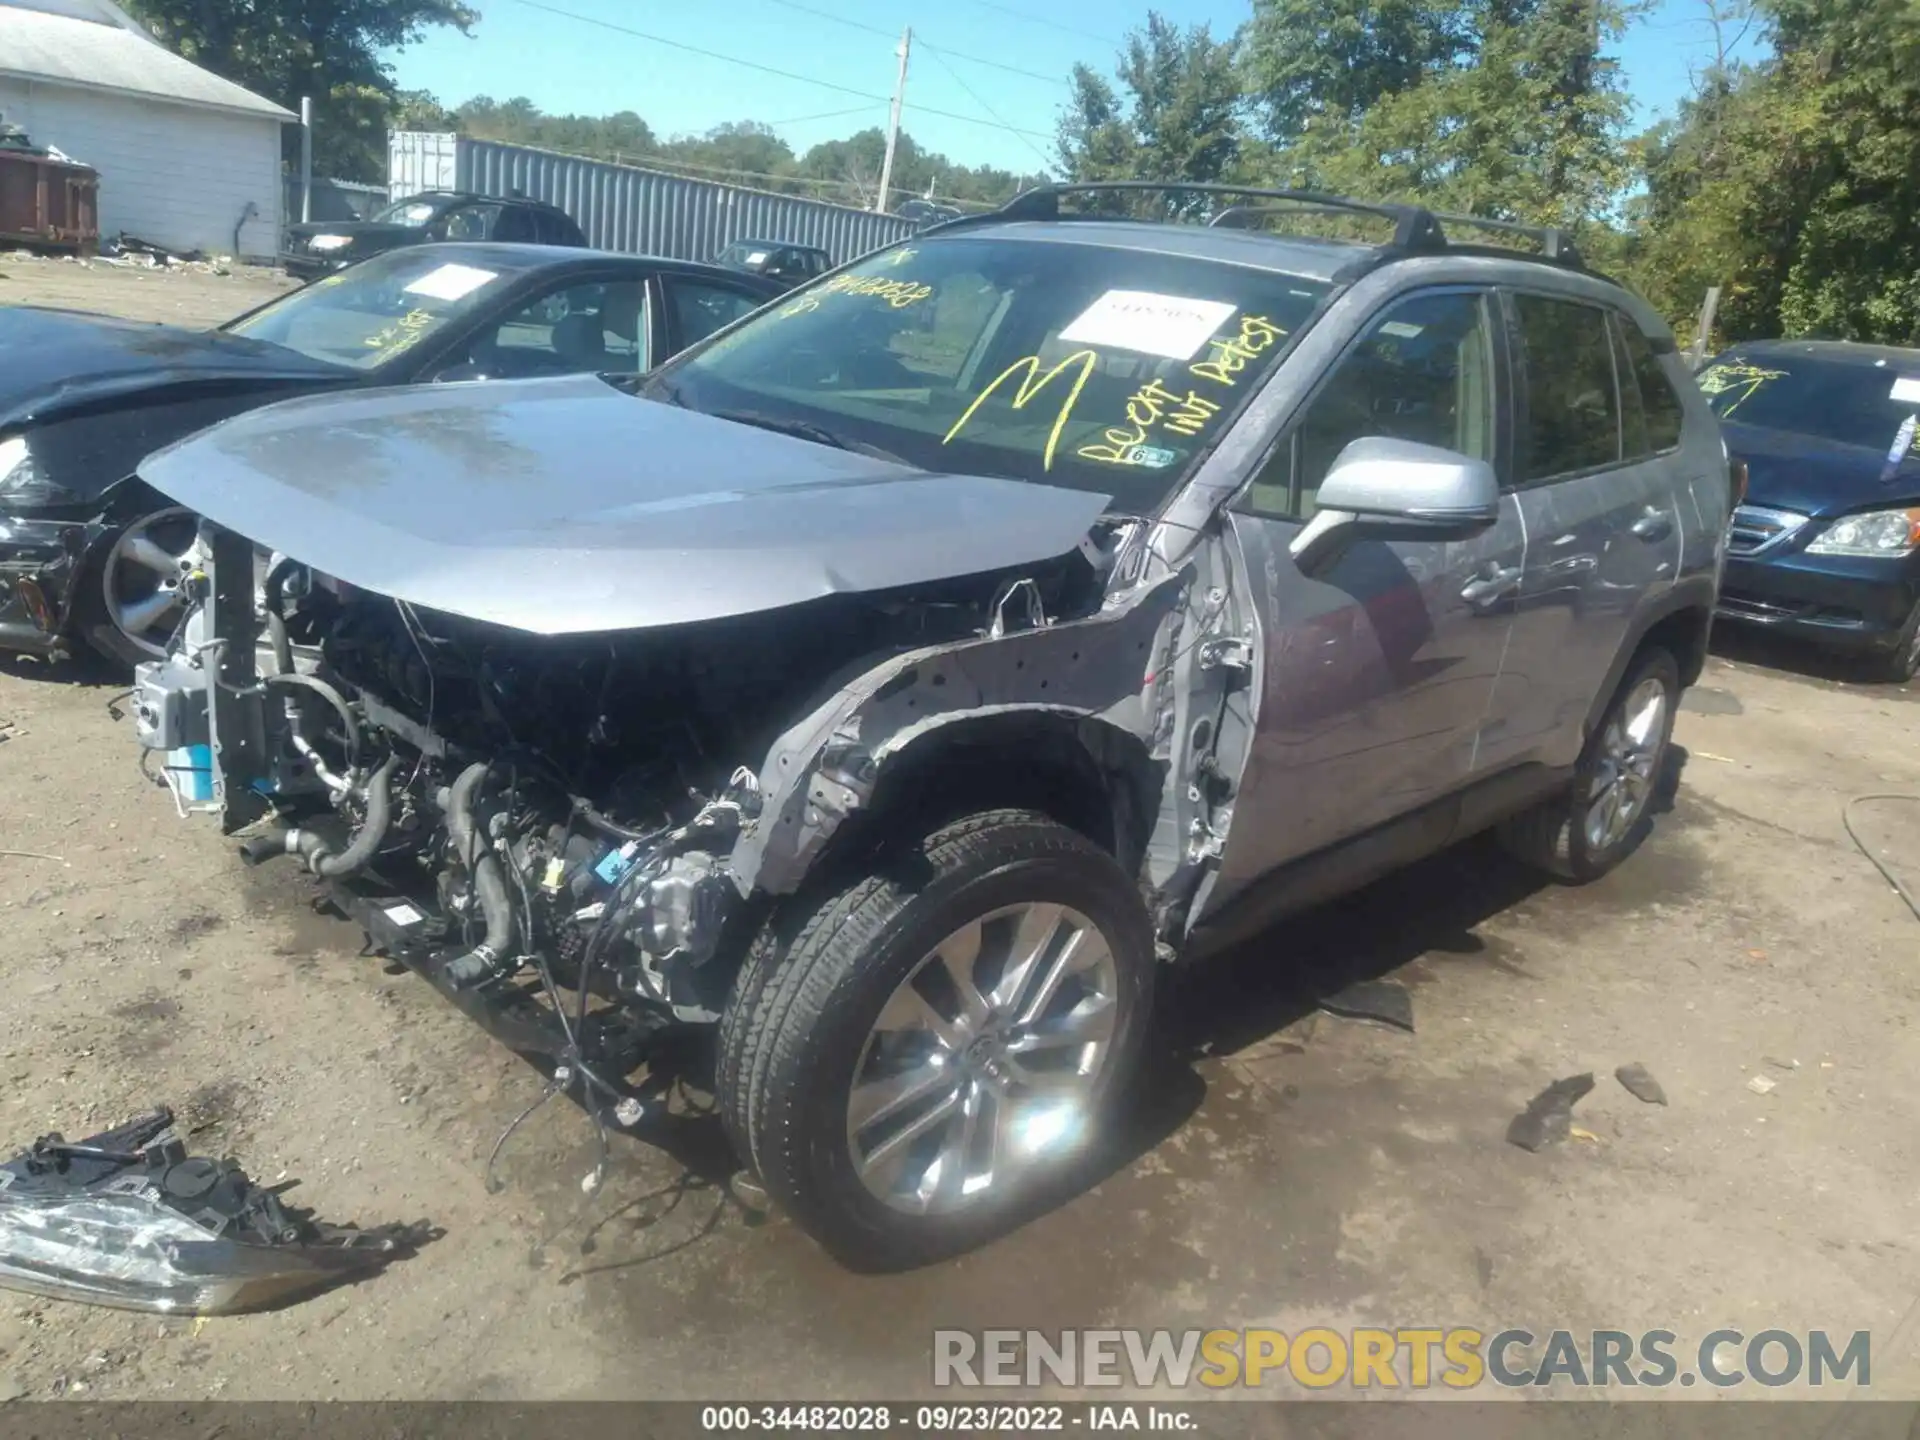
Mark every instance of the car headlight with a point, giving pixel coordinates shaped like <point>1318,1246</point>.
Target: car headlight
<point>1872,532</point>
<point>329,242</point>
<point>21,482</point>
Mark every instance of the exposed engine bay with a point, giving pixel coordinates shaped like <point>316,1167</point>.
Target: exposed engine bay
<point>514,814</point>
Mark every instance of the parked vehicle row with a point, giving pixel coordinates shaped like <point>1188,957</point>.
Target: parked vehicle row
<point>89,557</point>
<point>885,687</point>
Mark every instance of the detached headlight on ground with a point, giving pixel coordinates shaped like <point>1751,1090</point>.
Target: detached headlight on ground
<point>21,482</point>
<point>130,1220</point>
<point>1874,532</point>
<point>329,242</point>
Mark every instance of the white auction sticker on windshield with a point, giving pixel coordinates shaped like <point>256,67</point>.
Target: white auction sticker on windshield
<point>758,257</point>
<point>1907,389</point>
<point>451,282</point>
<point>1169,325</point>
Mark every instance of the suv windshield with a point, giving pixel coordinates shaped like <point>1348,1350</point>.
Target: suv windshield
<point>406,212</point>
<point>1851,403</point>
<point>1094,368</point>
<point>743,254</point>
<point>372,312</point>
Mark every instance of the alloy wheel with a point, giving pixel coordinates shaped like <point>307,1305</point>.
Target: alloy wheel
<point>1627,765</point>
<point>986,1059</point>
<point>144,576</point>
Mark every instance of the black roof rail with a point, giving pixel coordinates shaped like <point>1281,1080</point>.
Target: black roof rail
<point>1043,203</point>
<point>1555,243</point>
<point>1414,226</point>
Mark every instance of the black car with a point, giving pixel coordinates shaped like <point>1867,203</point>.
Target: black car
<point>1826,546</point>
<point>318,247</point>
<point>84,398</point>
<point>789,264</point>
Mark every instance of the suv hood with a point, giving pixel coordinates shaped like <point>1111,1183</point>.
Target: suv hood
<point>1816,476</point>
<point>565,506</point>
<point>53,361</point>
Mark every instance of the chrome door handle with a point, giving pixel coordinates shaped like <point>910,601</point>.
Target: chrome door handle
<point>1655,524</point>
<point>1496,582</point>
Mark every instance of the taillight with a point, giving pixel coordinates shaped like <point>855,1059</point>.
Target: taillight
<point>1737,481</point>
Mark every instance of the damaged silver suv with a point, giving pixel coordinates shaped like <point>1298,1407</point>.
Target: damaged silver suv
<point>900,678</point>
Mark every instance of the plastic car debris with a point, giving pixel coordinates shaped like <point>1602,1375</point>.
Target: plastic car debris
<point>1640,1084</point>
<point>1386,1001</point>
<point>127,1218</point>
<point>1548,1119</point>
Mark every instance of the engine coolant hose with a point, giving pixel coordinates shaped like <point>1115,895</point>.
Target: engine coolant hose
<point>489,883</point>
<point>322,859</point>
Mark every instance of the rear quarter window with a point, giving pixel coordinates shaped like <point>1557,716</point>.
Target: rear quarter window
<point>1659,401</point>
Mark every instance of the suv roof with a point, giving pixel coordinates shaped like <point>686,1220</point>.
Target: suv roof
<point>1231,235</point>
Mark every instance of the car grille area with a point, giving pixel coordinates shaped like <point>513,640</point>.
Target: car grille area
<point>1758,528</point>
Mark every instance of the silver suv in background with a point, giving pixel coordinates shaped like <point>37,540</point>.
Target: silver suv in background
<point>894,682</point>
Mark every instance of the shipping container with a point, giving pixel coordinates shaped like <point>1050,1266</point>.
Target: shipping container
<point>634,210</point>
<point>47,202</point>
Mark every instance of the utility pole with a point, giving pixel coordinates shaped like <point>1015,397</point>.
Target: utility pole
<point>893,122</point>
<point>306,157</point>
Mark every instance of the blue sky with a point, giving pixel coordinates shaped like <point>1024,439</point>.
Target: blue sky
<point>1001,114</point>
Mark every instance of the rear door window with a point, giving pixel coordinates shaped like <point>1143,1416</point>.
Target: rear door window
<point>1572,413</point>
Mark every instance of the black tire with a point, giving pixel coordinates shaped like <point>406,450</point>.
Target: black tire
<point>815,985</point>
<point>1553,835</point>
<point>1902,662</point>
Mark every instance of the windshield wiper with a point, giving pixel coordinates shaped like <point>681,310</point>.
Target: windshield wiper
<point>808,430</point>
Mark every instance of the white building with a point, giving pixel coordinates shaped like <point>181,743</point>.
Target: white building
<point>186,159</point>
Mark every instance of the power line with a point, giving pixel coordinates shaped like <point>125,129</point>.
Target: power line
<point>756,65</point>
<point>823,115</point>
<point>1012,13</point>
<point>924,45</point>
<point>1044,161</point>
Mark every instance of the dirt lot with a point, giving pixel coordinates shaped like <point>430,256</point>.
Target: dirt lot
<point>1289,1170</point>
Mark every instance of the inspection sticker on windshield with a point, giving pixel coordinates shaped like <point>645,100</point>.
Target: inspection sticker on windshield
<point>451,282</point>
<point>1906,389</point>
<point>1168,325</point>
<point>1152,457</point>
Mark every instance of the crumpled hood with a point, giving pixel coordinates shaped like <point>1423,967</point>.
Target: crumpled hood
<point>563,506</point>
<point>1816,476</point>
<point>57,360</point>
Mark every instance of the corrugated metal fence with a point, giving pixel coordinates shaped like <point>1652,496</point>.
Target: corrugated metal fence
<point>636,211</point>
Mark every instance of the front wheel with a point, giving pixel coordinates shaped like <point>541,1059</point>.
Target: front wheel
<point>916,1061</point>
<point>1597,822</point>
<point>1902,662</point>
<point>133,593</point>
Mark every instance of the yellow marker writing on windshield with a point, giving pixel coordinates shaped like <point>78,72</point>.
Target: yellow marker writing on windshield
<point>1229,356</point>
<point>1032,382</point>
<point>1719,379</point>
<point>1152,404</point>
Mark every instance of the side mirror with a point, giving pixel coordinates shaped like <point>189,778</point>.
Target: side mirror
<point>1381,488</point>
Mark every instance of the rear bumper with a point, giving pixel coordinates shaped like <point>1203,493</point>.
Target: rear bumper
<point>1842,603</point>
<point>40,561</point>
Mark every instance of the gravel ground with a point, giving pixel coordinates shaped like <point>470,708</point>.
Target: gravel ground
<point>1290,1170</point>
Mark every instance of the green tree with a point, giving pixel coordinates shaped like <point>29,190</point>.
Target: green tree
<point>1180,118</point>
<point>1313,62</point>
<point>328,50</point>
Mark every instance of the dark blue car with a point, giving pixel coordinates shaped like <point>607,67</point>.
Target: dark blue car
<point>1827,545</point>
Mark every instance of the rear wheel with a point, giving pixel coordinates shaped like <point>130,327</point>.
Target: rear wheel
<point>133,596</point>
<point>1598,821</point>
<point>914,1063</point>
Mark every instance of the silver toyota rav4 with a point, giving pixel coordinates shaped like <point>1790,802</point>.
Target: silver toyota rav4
<point>892,684</point>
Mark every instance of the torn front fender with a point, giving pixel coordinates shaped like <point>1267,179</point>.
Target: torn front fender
<point>1108,667</point>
